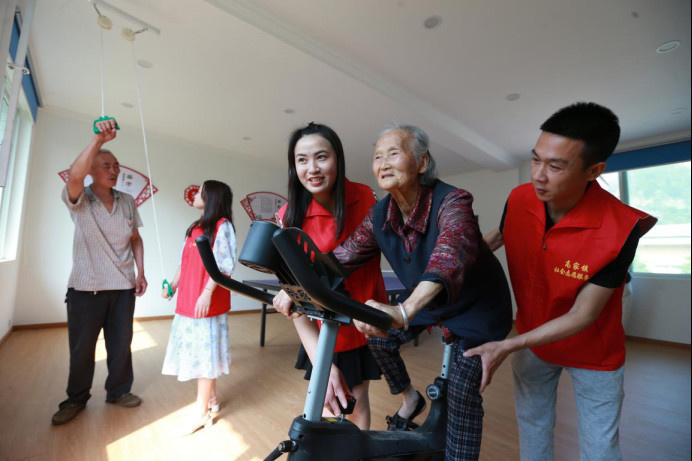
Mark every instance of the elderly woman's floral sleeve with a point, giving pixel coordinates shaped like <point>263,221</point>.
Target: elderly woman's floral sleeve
<point>360,247</point>
<point>456,248</point>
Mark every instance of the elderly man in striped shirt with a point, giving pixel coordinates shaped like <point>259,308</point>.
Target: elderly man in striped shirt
<point>102,285</point>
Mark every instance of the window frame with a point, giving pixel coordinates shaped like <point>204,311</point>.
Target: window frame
<point>23,118</point>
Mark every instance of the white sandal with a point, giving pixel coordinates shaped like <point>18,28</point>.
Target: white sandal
<point>196,424</point>
<point>214,405</point>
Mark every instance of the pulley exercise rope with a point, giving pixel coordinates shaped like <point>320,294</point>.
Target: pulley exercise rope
<point>129,35</point>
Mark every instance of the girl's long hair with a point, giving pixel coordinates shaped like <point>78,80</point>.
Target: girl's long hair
<point>298,197</point>
<point>218,203</point>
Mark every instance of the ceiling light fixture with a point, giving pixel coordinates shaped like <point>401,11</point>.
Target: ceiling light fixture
<point>668,47</point>
<point>432,22</point>
<point>512,97</point>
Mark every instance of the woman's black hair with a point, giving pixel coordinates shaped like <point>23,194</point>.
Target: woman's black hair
<point>298,197</point>
<point>218,203</point>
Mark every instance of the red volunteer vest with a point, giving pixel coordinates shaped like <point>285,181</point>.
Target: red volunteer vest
<point>548,269</point>
<point>193,279</point>
<point>363,283</point>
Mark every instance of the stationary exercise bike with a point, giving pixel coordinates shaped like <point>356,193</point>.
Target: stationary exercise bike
<point>313,280</point>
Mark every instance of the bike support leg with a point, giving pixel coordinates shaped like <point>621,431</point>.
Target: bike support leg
<point>317,390</point>
<point>447,361</point>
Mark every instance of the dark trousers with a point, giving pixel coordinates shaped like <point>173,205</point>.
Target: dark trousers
<point>87,313</point>
<point>465,404</point>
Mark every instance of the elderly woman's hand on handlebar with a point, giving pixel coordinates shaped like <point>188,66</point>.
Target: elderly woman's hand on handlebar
<point>284,305</point>
<point>369,330</point>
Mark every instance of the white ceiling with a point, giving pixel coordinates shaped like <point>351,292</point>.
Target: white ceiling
<point>225,70</point>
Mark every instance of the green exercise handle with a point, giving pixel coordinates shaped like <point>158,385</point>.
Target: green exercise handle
<point>167,286</point>
<point>103,119</point>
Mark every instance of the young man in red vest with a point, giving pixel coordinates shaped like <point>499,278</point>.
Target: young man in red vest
<point>569,244</point>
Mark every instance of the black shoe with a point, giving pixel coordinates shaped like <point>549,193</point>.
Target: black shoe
<point>397,423</point>
<point>67,413</point>
<point>127,400</point>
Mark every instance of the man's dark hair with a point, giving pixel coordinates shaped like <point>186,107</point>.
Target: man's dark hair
<point>597,126</point>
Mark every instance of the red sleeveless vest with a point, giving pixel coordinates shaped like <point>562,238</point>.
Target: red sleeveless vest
<point>548,269</point>
<point>193,279</point>
<point>363,283</point>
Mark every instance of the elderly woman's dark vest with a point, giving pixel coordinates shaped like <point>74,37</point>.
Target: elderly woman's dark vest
<point>481,312</point>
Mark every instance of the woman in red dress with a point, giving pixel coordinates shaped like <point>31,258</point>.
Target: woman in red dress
<point>328,207</point>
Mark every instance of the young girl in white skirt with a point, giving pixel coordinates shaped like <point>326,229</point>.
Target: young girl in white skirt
<point>198,346</point>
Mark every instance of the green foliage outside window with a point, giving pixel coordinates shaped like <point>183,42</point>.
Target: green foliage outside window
<point>664,192</point>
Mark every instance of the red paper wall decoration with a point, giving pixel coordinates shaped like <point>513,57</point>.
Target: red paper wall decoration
<point>129,181</point>
<point>189,194</point>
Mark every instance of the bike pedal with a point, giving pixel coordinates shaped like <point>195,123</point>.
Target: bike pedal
<point>350,405</point>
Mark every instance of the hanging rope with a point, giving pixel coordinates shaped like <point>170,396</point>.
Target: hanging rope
<point>105,23</point>
<point>103,99</point>
<point>146,156</point>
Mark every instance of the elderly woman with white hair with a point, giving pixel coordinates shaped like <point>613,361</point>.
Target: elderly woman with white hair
<point>429,234</point>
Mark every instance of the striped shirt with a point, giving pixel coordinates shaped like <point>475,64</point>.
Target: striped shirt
<point>102,257</point>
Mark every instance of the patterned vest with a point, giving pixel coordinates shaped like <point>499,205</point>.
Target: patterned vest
<point>483,310</point>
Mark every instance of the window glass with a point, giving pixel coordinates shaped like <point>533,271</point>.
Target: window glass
<point>4,104</point>
<point>12,195</point>
<point>664,192</point>
<point>611,183</point>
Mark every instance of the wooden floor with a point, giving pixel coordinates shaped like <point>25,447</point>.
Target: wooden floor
<point>264,392</point>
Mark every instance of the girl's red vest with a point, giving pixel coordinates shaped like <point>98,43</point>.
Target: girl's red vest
<point>193,279</point>
<point>363,283</point>
<point>548,269</point>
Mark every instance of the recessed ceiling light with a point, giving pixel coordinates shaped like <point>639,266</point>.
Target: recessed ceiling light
<point>129,105</point>
<point>678,110</point>
<point>246,138</point>
<point>432,22</point>
<point>146,64</point>
<point>512,97</point>
<point>668,47</point>
<point>289,111</point>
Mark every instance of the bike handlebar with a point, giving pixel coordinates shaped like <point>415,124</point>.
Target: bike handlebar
<point>314,274</point>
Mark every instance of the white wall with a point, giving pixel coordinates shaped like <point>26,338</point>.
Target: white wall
<point>9,273</point>
<point>47,234</point>
<point>660,308</point>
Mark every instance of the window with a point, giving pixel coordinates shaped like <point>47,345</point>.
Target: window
<point>11,196</point>
<point>4,105</point>
<point>664,192</point>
